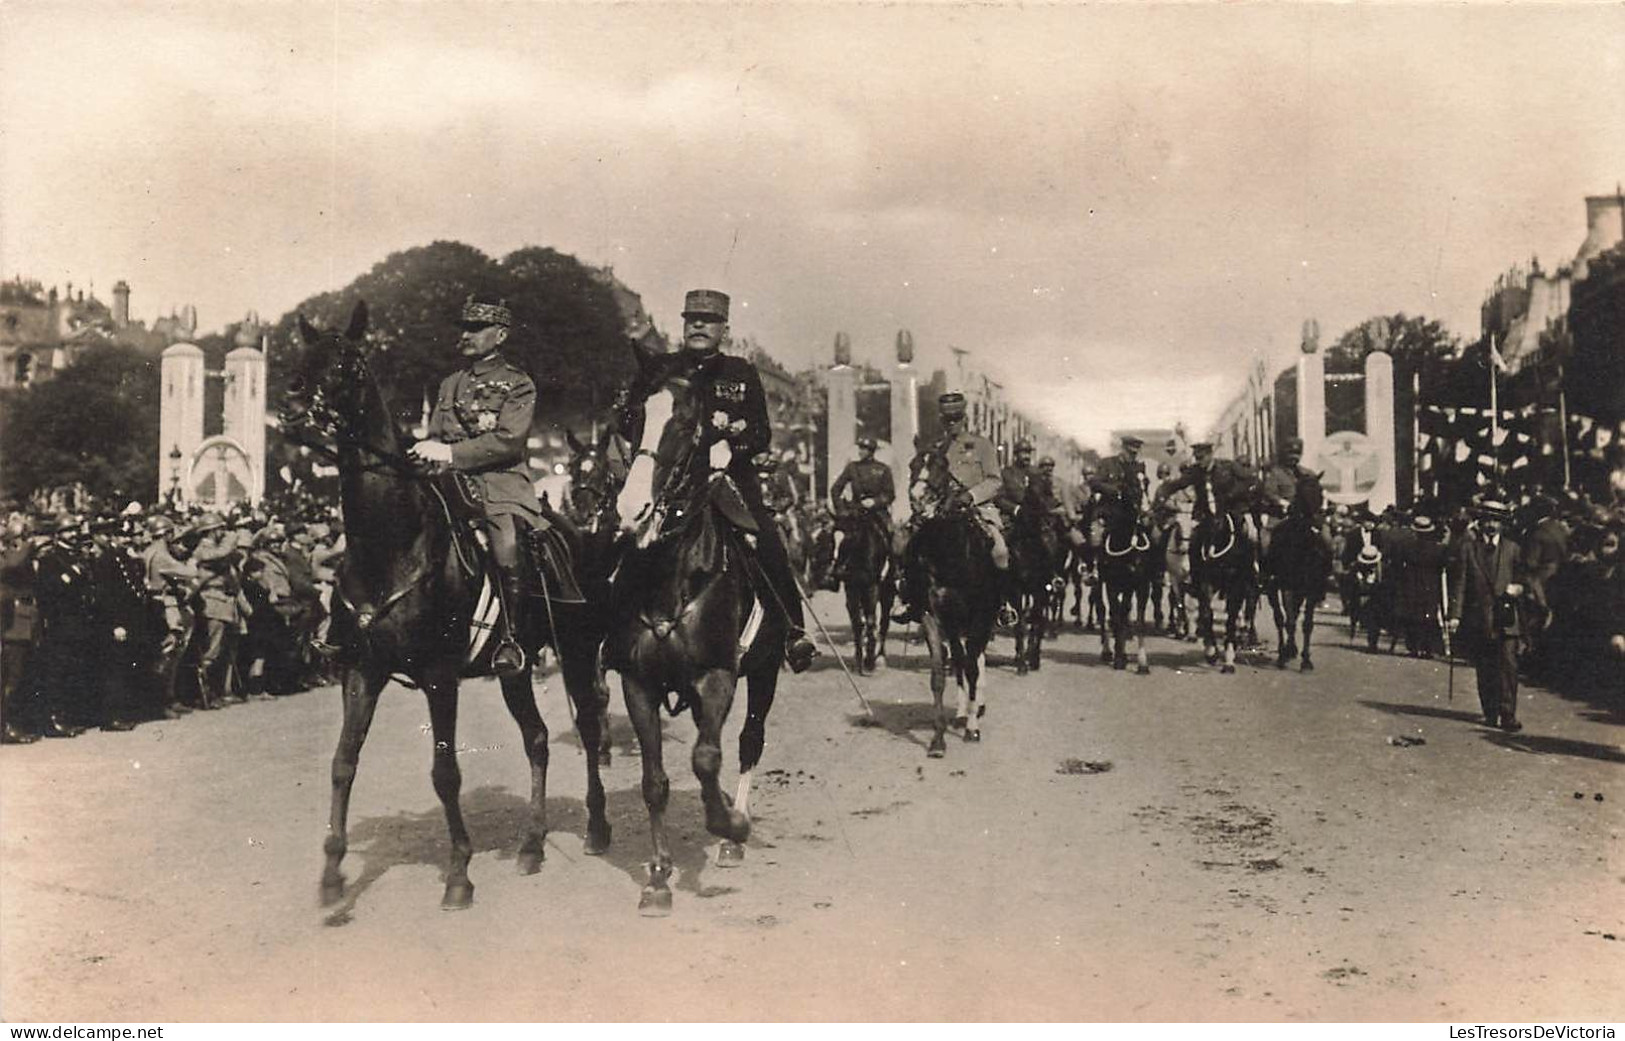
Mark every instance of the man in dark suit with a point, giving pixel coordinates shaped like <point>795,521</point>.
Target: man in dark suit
<point>1486,584</point>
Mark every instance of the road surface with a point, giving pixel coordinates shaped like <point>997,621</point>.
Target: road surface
<point>1249,847</point>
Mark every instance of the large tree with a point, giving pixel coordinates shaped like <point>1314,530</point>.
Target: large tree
<point>95,422</point>
<point>568,327</point>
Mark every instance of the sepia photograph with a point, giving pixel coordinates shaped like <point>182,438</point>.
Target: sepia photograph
<point>804,513</point>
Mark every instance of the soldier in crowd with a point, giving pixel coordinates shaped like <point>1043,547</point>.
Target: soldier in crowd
<point>872,492</point>
<point>20,628</point>
<point>481,422</point>
<point>64,657</point>
<point>268,646</point>
<point>121,629</point>
<point>171,580</point>
<point>961,468</point>
<point>217,559</point>
<point>1486,586</point>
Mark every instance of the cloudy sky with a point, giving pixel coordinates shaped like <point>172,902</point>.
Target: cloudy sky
<point>1113,208</point>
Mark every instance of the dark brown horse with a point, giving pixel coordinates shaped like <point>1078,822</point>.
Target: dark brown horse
<point>692,613</point>
<point>411,587</point>
<point>963,591</point>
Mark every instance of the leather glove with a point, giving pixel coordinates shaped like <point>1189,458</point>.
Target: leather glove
<point>435,453</point>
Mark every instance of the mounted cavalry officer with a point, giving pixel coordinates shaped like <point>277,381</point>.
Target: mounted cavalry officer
<point>1013,482</point>
<point>961,468</point>
<point>1278,486</point>
<point>1230,487</point>
<point>1123,476</point>
<point>719,401</point>
<point>478,430</point>
<point>873,491</point>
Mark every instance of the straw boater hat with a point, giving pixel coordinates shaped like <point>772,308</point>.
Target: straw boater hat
<point>1494,508</point>
<point>1370,554</point>
<point>1423,524</point>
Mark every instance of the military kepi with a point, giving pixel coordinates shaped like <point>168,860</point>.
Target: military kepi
<point>706,303</point>
<point>478,314</point>
<point>951,404</point>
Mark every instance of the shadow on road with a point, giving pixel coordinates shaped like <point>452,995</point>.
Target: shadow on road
<point>900,719</point>
<point>1430,711</point>
<point>497,818</point>
<point>1535,744</point>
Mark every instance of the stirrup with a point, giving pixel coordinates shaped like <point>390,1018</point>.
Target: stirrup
<point>506,666</point>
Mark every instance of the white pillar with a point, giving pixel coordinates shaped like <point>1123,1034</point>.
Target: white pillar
<point>1379,425</point>
<point>244,420</point>
<point>843,418</point>
<point>905,426</point>
<point>1311,404</point>
<point>180,414</point>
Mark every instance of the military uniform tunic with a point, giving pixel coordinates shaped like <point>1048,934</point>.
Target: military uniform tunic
<point>868,479</point>
<point>485,412</point>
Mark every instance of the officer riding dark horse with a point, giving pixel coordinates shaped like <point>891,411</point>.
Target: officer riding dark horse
<point>1125,552</point>
<point>864,521</point>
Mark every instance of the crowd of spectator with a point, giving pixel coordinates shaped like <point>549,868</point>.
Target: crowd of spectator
<point>1392,575</point>
<point>113,619</point>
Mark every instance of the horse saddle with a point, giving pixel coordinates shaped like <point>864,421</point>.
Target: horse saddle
<point>552,562</point>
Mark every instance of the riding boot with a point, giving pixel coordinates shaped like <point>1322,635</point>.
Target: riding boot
<point>509,659</point>
<point>911,591</point>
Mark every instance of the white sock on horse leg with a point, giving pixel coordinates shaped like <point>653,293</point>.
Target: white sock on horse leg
<point>742,794</point>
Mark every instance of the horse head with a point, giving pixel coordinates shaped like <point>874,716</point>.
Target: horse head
<point>597,472</point>
<point>1309,498</point>
<point>331,379</point>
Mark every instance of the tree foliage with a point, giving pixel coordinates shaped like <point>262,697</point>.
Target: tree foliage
<point>568,328</point>
<point>1411,339</point>
<point>95,422</point>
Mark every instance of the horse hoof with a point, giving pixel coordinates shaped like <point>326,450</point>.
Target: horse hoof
<point>1227,669</point>
<point>597,841</point>
<point>1280,663</point>
<point>1021,668</point>
<point>1118,665</point>
<point>1143,670</point>
<point>959,722</point>
<point>1308,666</point>
<point>1105,657</point>
<point>603,760</point>
<point>332,892</point>
<point>973,737</point>
<point>730,854</point>
<point>938,749</point>
<point>459,896</point>
<point>655,903</point>
<point>529,861</point>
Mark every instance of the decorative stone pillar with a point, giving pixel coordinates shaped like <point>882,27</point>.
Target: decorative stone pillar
<point>842,410</point>
<point>244,412</point>
<point>1311,401</point>
<point>180,414</point>
<point>1379,426</point>
<point>905,419</point>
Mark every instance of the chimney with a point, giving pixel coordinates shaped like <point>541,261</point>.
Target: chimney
<point>1605,228</point>
<point>121,304</point>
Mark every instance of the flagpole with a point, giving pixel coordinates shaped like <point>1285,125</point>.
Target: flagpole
<point>1495,411</point>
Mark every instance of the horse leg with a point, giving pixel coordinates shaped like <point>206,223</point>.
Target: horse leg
<point>584,685</point>
<point>976,705</point>
<point>1283,629</point>
<point>521,701</point>
<point>361,688</point>
<point>939,683</point>
<point>440,690</point>
<point>854,618</point>
<point>1143,666</point>
<point>1039,623</point>
<point>716,690</point>
<point>1204,622</point>
<point>643,707</point>
<point>761,684</point>
<point>1308,629</point>
<point>1233,607</point>
<point>1023,634</point>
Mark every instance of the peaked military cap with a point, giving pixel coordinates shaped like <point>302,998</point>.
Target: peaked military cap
<point>951,404</point>
<point>867,442</point>
<point>1295,445</point>
<point>477,314</point>
<point>1130,441</point>
<point>1202,446</point>
<point>711,303</point>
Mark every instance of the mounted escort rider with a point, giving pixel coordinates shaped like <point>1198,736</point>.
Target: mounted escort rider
<point>1122,477</point>
<point>872,493</point>
<point>1278,486</point>
<point>961,468</point>
<point>481,421</point>
<point>719,401</point>
<point>1230,488</point>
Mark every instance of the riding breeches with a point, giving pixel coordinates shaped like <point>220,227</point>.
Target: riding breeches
<point>770,552</point>
<point>993,523</point>
<point>503,530</point>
